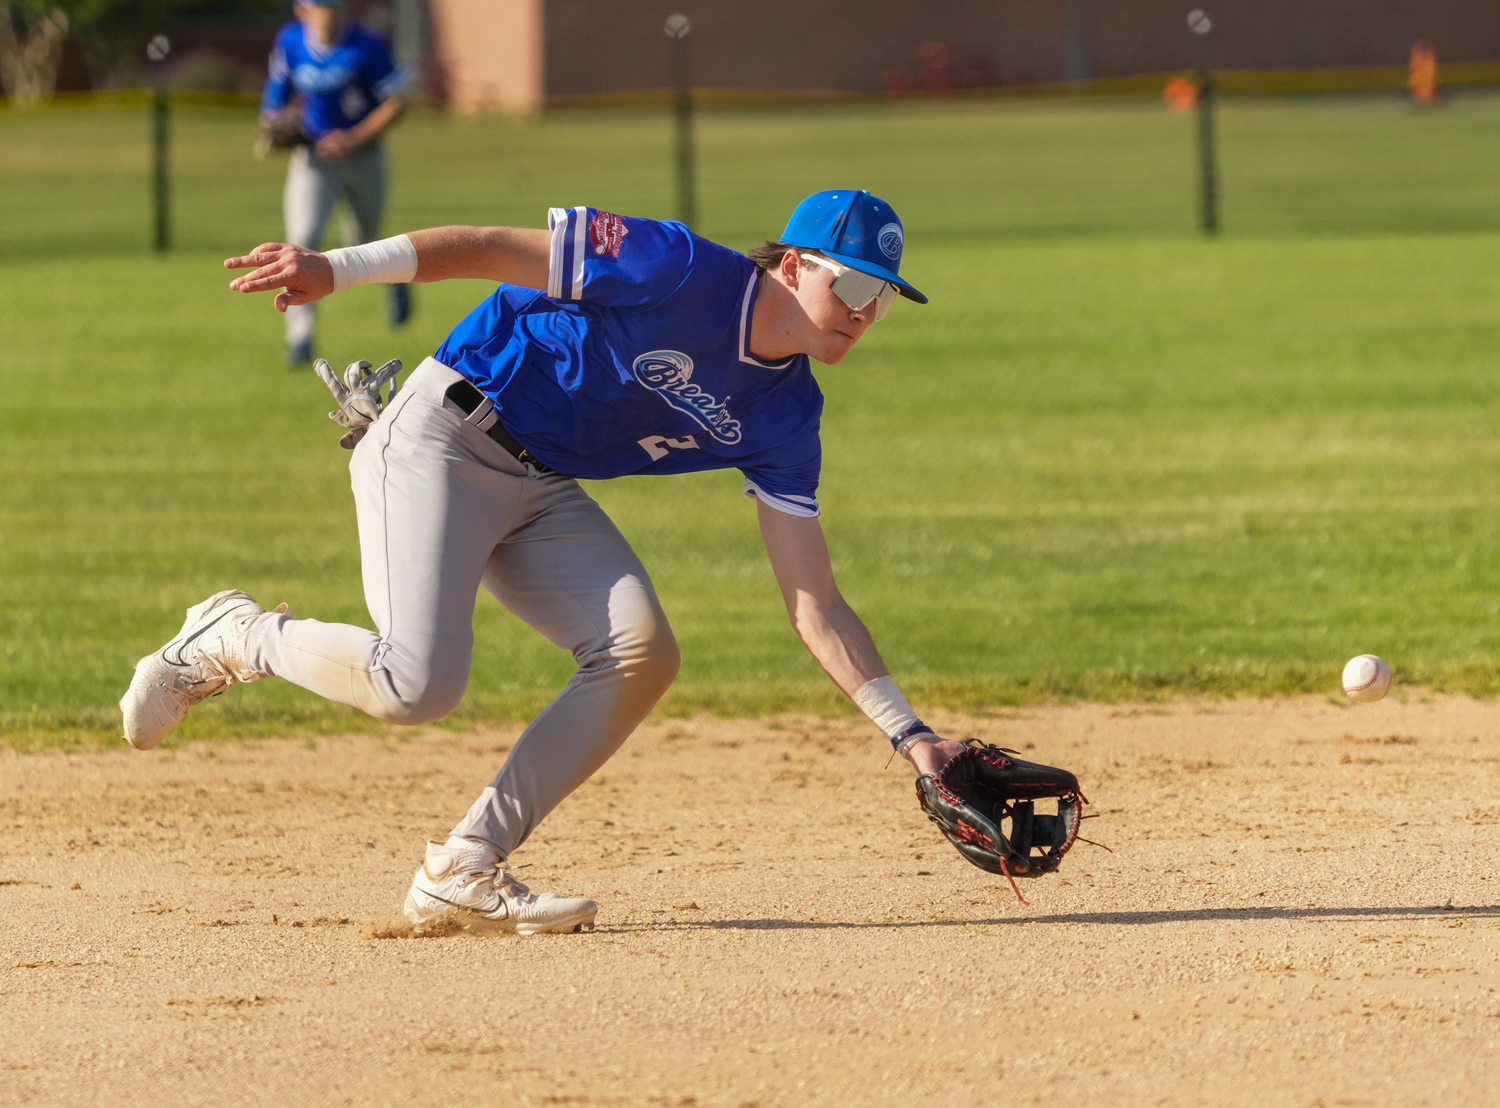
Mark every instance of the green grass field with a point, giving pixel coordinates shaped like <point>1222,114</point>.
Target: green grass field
<point>1110,459</point>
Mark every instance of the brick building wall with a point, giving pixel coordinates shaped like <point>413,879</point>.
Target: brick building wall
<point>610,45</point>
<point>508,54</point>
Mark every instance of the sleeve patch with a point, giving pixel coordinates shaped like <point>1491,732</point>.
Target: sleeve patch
<point>607,233</point>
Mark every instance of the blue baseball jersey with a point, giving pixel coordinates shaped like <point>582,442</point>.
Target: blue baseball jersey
<point>339,84</point>
<point>636,360</point>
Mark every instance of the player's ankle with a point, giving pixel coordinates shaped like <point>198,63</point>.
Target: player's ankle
<point>475,852</point>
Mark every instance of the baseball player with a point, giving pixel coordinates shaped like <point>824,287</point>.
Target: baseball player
<point>350,92</point>
<point>612,346</point>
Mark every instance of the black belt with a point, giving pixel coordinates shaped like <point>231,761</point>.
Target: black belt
<point>479,410</point>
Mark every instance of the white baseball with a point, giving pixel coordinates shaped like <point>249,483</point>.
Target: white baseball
<point>1367,678</point>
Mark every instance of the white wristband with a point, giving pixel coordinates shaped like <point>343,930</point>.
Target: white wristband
<point>389,261</point>
<point>887,708</point>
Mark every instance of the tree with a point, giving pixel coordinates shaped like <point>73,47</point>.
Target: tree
<point>31,41</point>
<point>32,33</point>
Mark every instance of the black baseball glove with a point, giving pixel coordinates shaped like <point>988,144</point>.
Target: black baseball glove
<point>280,130</point>
<point>984,802</point>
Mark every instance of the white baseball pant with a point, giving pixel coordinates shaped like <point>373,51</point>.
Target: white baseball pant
<point>313,186</point>
<point>442,510</point>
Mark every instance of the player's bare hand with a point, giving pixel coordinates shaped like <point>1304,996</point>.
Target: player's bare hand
<point>929,757</point>
<point>305,274</point>
<point>337,144</point>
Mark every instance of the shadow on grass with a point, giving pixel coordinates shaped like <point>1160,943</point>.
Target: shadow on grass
<point>1116,919</point>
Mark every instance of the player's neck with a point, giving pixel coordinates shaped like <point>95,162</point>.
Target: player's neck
<point>325,34</point>
<point>773,326</point>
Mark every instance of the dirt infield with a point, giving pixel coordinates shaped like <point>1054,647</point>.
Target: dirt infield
<point>1300,909</point>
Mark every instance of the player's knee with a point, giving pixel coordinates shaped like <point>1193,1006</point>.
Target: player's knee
<point>660,657</point>
<point>423,700</point>
<point>644,647</point>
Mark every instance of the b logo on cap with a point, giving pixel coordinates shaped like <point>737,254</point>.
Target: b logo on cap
<point>890,241</point>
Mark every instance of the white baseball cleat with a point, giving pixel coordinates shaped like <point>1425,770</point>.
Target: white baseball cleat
<point>470,884</point>
<point>204,659</point>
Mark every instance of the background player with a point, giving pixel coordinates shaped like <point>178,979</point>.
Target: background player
<point>650,351</point>
<point>349,90</point>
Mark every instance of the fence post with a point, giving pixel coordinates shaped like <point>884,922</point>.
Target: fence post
<point>157,50</point>
<point>1200,25</point>
<point>682,83</point>
<point>1076,44</point>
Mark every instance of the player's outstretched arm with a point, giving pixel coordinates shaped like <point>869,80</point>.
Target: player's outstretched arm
<point>825,622</point>
<point>513,255</point>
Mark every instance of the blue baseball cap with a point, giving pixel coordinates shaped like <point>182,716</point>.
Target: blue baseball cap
<point>856,228</point>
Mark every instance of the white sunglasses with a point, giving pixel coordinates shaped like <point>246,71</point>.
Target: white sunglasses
<point>857,289</point>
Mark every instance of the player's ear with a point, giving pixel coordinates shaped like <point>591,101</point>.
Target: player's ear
<point>791,268</point>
